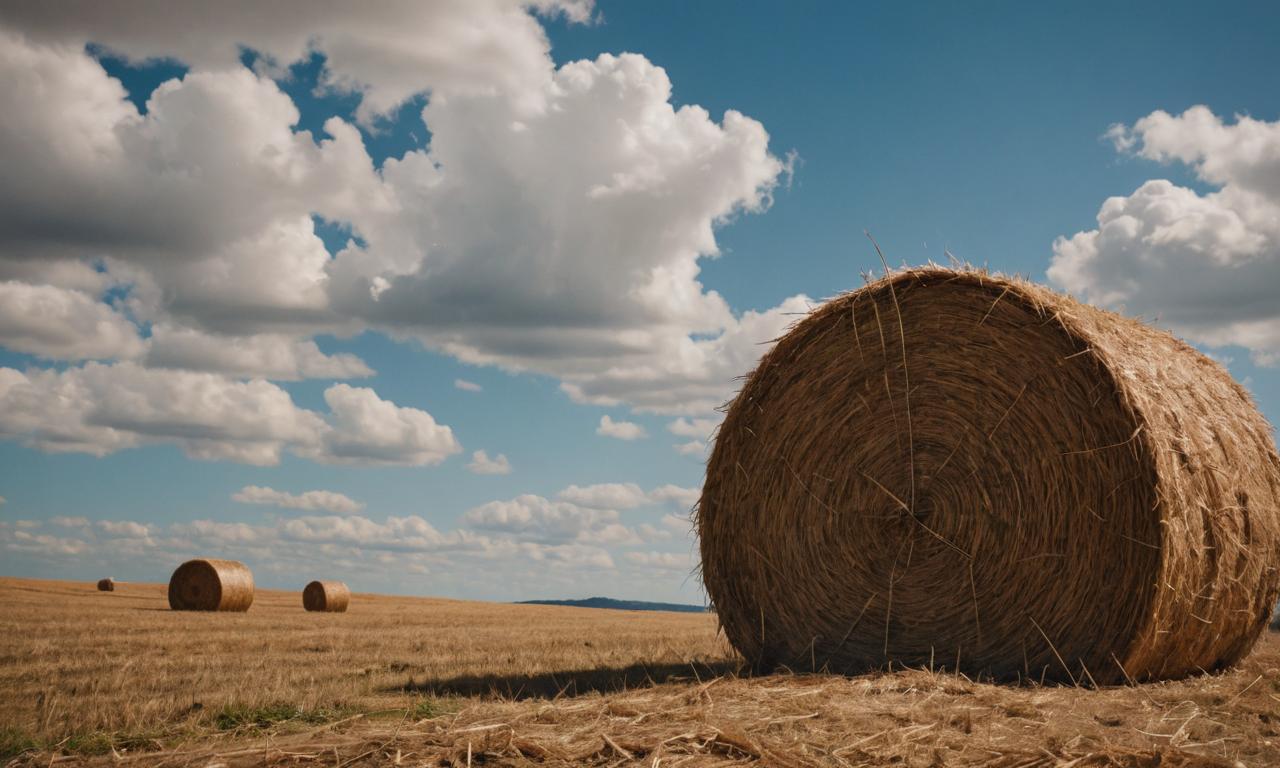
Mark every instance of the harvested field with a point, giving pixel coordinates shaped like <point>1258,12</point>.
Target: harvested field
<point>116,679</point>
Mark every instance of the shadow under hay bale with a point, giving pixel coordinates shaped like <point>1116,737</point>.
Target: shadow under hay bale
<point>326,596</point>
<point>570,682</point>
<point>211,585</point>
<point>106,585</point>
<point>968,471</point>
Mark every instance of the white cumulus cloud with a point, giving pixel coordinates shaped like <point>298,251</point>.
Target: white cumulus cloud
<point>679,495</point>
<point>554,223</point>
<point>369,430</point>
<point>692,448</point>
<point>1206,265</point>
<point>622,430</point>
<point>330,501</point>
<point>61,324</point>
<point>538,519</point>
<point>606,495</point>
<point>481,464</point>
<point>387,53</point>
<point>273,356</point>
<point>100,409</point>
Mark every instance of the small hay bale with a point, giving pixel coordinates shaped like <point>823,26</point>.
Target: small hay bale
<point>106,585</point>
<point>327,596</point>
<point>211,585</point>
<point>969,471</point>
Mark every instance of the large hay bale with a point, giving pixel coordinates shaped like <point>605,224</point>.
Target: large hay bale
<point>106,585</point>
<point>211,585</point>
<point>952,468</point>
<point>328,596</point>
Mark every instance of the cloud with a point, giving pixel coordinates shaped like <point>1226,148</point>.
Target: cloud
<point>369,430</point>
<point>267,355</point>
<point>25,542</point>
<point>1206,265</point>
<point>69,522</point>
<point>566,239</point>
<point>627,495</point>
<point>309,500</point>
<point>606,496</point>
<point>123,529</point>
<point>220,533</point>
<point>697,428</point>
<point>538,519</point>
<point>691,448</point>
<point>554,223</point>
<point>467,386</point>
<point>386,53</point>
<point>574,556</point>
<point>100,409</point>
<point>681,496</point>
<point>678,524</point>
<point>481,464</point>
<point>410,533</point>
<point>60,324</point>
<point>622,430</point>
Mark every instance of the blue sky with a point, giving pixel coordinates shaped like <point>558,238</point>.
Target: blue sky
<point>983,130</point>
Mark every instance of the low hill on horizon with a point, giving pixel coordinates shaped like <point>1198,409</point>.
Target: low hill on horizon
<point>620,605</point>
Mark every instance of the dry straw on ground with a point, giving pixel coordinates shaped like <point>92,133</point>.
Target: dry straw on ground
<point>953,468</point>
<point>327,596</point>
<point>106,585</point>
<point>211,585</point>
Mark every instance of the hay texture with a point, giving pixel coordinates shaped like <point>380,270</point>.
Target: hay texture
<point>327,596</point>
<point>211,585</point>
<point>973,472</point>
<point>106,585</point>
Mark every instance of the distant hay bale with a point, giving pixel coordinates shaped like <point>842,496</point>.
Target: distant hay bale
<point>970,471</point>
<point>211,585</point>
<point>327,596</point>
<point>106,585</point>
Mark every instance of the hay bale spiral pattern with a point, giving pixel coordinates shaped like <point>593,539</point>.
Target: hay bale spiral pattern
<point>327,596</point>
<point>211,585</point>
<point>952,468</point>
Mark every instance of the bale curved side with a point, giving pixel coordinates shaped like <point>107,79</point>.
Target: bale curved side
<point>211,585</point>
<point>953,468</point>
<point>106,585</point>
<point>327,596</point>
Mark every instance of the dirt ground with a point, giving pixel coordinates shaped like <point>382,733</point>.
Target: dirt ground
<point>519,685</point>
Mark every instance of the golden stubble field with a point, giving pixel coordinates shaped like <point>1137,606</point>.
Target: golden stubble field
<point>117,678</point>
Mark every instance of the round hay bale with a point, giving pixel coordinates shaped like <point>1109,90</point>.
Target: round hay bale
<point>106,585</point>
<point>968,471</point>
<point>211,585</point>
<point>327,596</point>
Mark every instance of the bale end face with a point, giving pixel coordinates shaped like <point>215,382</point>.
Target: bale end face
<point>106,585</point>
<point>211,585</point>
<point>954,468</point>
<point>326,596</point>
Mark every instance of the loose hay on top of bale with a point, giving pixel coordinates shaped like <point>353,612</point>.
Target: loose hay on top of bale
<point>211,585</point>
<point>962,470</point>
<point>106,585</point>
<point>327,596</point>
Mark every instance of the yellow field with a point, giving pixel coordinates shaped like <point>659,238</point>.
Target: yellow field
<point>117,677</point>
